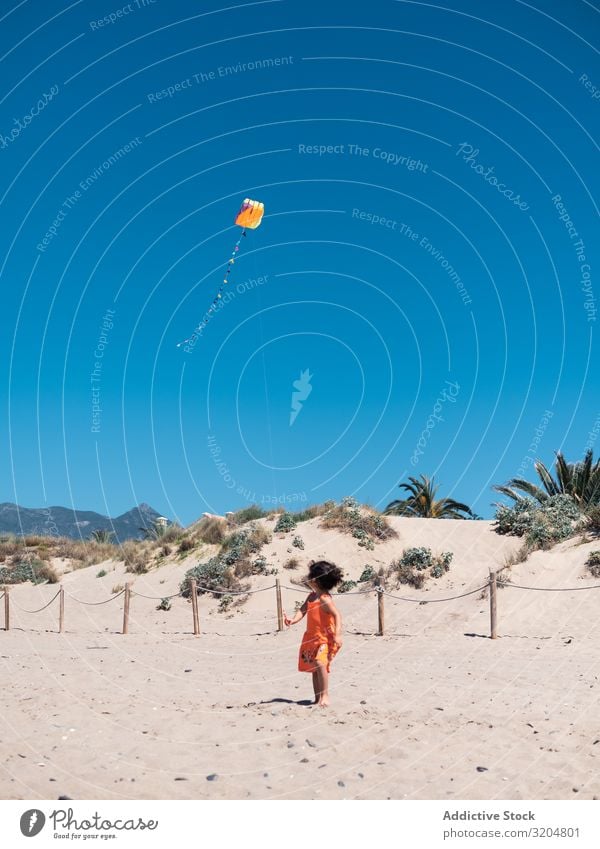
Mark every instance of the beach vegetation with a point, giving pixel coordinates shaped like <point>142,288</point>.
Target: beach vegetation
<point>414,564</point>
<point>286,522</point>
<point>365,524</point>
<point>593,563</point>
<point>422,502</point>
<point>580,481</point>
<point>212,530</point>
<point>102,535</point>
<point>542,525</point>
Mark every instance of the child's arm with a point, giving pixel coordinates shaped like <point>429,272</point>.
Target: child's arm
<point>330,607</point>
<point>298,615</point>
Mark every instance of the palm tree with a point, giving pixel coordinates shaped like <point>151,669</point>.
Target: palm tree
<point>422,502</point>
<point>102,535</point>
<point>579,480</point>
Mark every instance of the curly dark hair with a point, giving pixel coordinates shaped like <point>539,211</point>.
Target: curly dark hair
<point>326,575</point>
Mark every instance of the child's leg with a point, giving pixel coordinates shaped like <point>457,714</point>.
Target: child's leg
<point>315,678</point>
<point>322,685</point>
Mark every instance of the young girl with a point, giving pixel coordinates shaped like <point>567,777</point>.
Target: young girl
<point>323,636</point>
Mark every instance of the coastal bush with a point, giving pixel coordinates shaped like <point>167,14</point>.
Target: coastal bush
<point>164,604</point>
<point>367,574</point>
<point>410,568</point>
<point>241,544</point>
<point>363,523</point>
<point>542,525</point>
<point>593,519</point>
<point>593,563</point>
<point>298,542</point>
<point>291,563</point>
<point>346,586</point>
<point>210,576</point>
<point>32,569</point>
<point>285,523</point>
<point>102,573</point>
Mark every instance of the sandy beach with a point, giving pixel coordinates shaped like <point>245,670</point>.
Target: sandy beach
<point>432,710</point>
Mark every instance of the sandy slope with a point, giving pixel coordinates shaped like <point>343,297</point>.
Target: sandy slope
<point>95,714</point>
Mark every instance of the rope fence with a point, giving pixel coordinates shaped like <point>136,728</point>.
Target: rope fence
<point>127,592</point>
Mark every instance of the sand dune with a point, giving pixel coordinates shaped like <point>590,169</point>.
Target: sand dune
<point>433,709</point>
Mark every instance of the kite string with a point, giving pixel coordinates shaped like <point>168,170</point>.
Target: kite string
<point>207,315</point>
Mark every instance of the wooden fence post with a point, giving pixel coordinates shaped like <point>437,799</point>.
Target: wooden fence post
<point>380,613</point>
<point>6,610</point>
<point>126,608</point>
<point>493,607</point>
<point>194,593</point>
<point>279,605</point>
<point>61,611</point>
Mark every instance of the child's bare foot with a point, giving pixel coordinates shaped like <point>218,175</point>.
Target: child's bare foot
<point>323,701</point>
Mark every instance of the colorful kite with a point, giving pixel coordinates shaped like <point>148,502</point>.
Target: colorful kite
<point>248,218</point>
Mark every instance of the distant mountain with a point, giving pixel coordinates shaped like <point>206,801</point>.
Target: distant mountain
<point>78,524</point>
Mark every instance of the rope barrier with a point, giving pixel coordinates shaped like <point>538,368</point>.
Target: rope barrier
<point>39,610</point>
<point>155,597</point>
<point>233,592</point>
<point>95,603</point>
<point>549,589</point>
<point>434,600</point>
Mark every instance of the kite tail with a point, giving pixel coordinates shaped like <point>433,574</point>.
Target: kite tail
<point>213,307</point>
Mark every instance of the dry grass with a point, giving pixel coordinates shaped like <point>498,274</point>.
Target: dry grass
<point>291,563</point>
<point>211,530</point>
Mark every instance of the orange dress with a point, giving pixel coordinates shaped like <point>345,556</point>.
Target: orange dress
<point>318,640</point>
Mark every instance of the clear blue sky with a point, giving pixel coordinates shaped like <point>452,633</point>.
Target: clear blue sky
<point>128,144</point>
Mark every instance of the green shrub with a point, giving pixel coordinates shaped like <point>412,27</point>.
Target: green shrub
<point>241,544</point>
<point>542,525</point>
<point>410,568</point>
<point>367,574</point>
<point>346,586</point>
<point>285,523</point>
<point>31,569</point>
<point>298,542</point>
<point>593,519</point>
<point>164,604</point>
<point>102,573</point>
<point>593,563</point>
<point>210,576</point>
<point>363,523</point>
